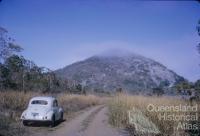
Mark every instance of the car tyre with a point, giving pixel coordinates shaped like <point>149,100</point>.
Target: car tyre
<point>53,121</point>
<point>25,123</point>
<point>61,116</point>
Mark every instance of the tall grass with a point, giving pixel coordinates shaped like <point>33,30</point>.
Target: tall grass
<point>73,103</point>
<point>12,103</point>
<point>121,104</point>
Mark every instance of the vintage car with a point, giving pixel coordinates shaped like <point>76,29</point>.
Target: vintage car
<point>42,109</point>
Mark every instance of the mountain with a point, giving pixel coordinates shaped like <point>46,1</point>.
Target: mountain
<point>108,72</point>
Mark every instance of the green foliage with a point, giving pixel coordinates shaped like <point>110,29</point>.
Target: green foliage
<point>79,87</point>
<point>158,91</point>
<point>119,90</point>
<point>183,85</point>
<point>20,74</point>
<point>164,84</point>
<point>197,85</point>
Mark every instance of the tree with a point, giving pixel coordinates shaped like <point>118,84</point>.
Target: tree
<point>184,85</point>
<point>4,78</point>
<point>8,47</point>
<point>18,73</point>
<point>79,88</point>
<point>164,84</point>
<point>158,91</point>
<point>16,65</point>
<point>119,90</point>
<point>197,85</point>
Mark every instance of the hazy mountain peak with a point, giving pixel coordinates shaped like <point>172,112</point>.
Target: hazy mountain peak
<point>115,69</point>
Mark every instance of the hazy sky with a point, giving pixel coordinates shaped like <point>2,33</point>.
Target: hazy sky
<point>55,33</point>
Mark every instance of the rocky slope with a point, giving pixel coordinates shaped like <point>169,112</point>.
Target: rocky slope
<point>131,72</point>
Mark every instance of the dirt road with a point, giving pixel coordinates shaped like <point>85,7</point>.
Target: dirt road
<point>92,122</point>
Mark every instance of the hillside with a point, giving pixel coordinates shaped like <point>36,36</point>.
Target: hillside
<point>131,72</point>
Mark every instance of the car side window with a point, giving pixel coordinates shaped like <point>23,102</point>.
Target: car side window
<point>55,103</point>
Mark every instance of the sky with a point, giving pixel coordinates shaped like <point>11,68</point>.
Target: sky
<point>56,33</point>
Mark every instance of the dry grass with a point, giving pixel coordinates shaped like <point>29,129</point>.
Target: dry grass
<point>73,103</point>
<point>12,104</point>
<point>121,104</point>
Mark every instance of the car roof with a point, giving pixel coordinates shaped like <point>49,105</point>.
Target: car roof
<point>46,98</point>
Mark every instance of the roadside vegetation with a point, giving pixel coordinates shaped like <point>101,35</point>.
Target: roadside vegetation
<point>147,122</point>
<point>12,104</point>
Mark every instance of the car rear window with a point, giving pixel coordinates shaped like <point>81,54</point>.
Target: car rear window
<point>39,102</point>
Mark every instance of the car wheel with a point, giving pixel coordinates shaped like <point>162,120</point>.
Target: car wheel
<point>61,116</point>
<point>25,123</point>
<point>53,121</point>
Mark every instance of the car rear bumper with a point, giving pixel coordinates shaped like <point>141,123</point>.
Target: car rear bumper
<point>34,120</point>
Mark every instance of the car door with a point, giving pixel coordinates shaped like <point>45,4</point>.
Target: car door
<point>55,109</point>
